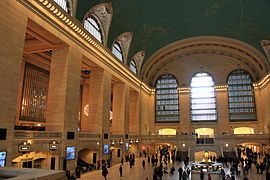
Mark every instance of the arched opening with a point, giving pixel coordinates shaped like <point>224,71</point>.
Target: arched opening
<point>87,159</point>
<point>241,97</point>
<point>243,130</point>
<point>38,159</point>
<point>167,100</point>
<point>205,156</point>
<point>205,132</point>
<point>203,98</point>
<point>167,131</point>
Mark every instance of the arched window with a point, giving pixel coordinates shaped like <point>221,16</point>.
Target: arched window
<point>167,104</point>
<point>133,66</point>
<point>92,25</point>
<point>241,96</point>
<point>65,4</point>
<point>203,98</point>
<point>117,51</point>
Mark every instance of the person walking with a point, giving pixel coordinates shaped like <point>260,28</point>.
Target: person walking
<point>121,170</point>
<point>105,172</point>
<point>143,164</point>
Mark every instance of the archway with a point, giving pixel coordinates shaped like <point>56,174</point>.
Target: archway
<point>243,130</point>
<point>205,132</point>
<point>38,159</point>
<point>167,131</point>
<point>87,159</point>
<point>205,156</point>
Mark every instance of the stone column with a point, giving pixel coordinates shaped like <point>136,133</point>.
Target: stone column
<point>184,103</point>
<point>260,107</point>
<point>64,98</point>
<point>134,113</point>
<point>118,108</point>
<point>223,124</point>
<point>64,90</point>
<point>127,109</point>
<point>99,99</point>
<point>12,33</point>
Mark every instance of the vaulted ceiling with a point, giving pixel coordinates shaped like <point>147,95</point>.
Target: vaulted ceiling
<point>157,23</point>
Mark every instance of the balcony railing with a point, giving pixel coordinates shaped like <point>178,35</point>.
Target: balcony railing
<point>37,135</point>
<point>88,136</point>
<point>242,137</point>
<point>204,141</point>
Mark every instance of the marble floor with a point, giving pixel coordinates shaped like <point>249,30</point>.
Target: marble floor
<point>138,173</point>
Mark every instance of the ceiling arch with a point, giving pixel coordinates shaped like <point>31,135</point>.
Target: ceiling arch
<point>157,23</point>
<point>206,53</point>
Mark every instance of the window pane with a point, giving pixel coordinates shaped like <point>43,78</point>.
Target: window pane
<point>91,25</point>
<point>34,94</point>
<point>203,98</point>
<point>241,97</point>
<point>63,4</point>
<point>167,106</point>
<point>133,66</point>
<point>117,51</point>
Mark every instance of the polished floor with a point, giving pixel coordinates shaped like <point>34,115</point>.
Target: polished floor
<point>138,173</point>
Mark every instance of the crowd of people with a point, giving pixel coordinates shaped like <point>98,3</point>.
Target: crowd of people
<point>163,163</point>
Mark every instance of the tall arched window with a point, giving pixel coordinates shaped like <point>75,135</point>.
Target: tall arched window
<point>241,96</point>
<point>133,66</point>
<point>167,103</point>
<point>65,4</point>
<point>92,25</point>
<point>117,51</point>
<point>203,98</point>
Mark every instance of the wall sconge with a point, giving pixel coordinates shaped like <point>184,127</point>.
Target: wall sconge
<point>53,146</point>
<point>184,145</point>
<point>25,147</point>
<point>113,142</point>
<point>226,145</point>
<point>121,142</point>
<point>98,143</point>
<point>137,140</point>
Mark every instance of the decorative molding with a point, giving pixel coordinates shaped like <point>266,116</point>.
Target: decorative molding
<point>104,13</point>
<point>138,58</point>
<point>125,40</point>
<point>58,18</point>
<point>266,47</point>
<point>207,45</point>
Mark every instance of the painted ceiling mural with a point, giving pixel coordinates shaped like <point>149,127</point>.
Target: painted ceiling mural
<point>157,23</point>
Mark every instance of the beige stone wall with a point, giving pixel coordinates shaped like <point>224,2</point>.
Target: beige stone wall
<point>12,33</point>
<point>262,107</point>
<point>133,106</point>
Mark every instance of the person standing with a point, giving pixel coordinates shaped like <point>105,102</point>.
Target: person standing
<point>209,176</point>
<point>122,161</point>
<point>98,164</point>
<point>143,164</point>
<point>121,170</point>
<point>105,172</point>
<point>202,175</point>
<point>180,170</point>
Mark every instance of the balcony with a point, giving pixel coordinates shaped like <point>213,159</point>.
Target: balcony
<point>243,137</point>
<point>203,141</point>
<point>36,135</point>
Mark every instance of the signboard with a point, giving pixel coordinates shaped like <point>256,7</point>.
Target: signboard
<point>3,159</point>
<point>70,153</point>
